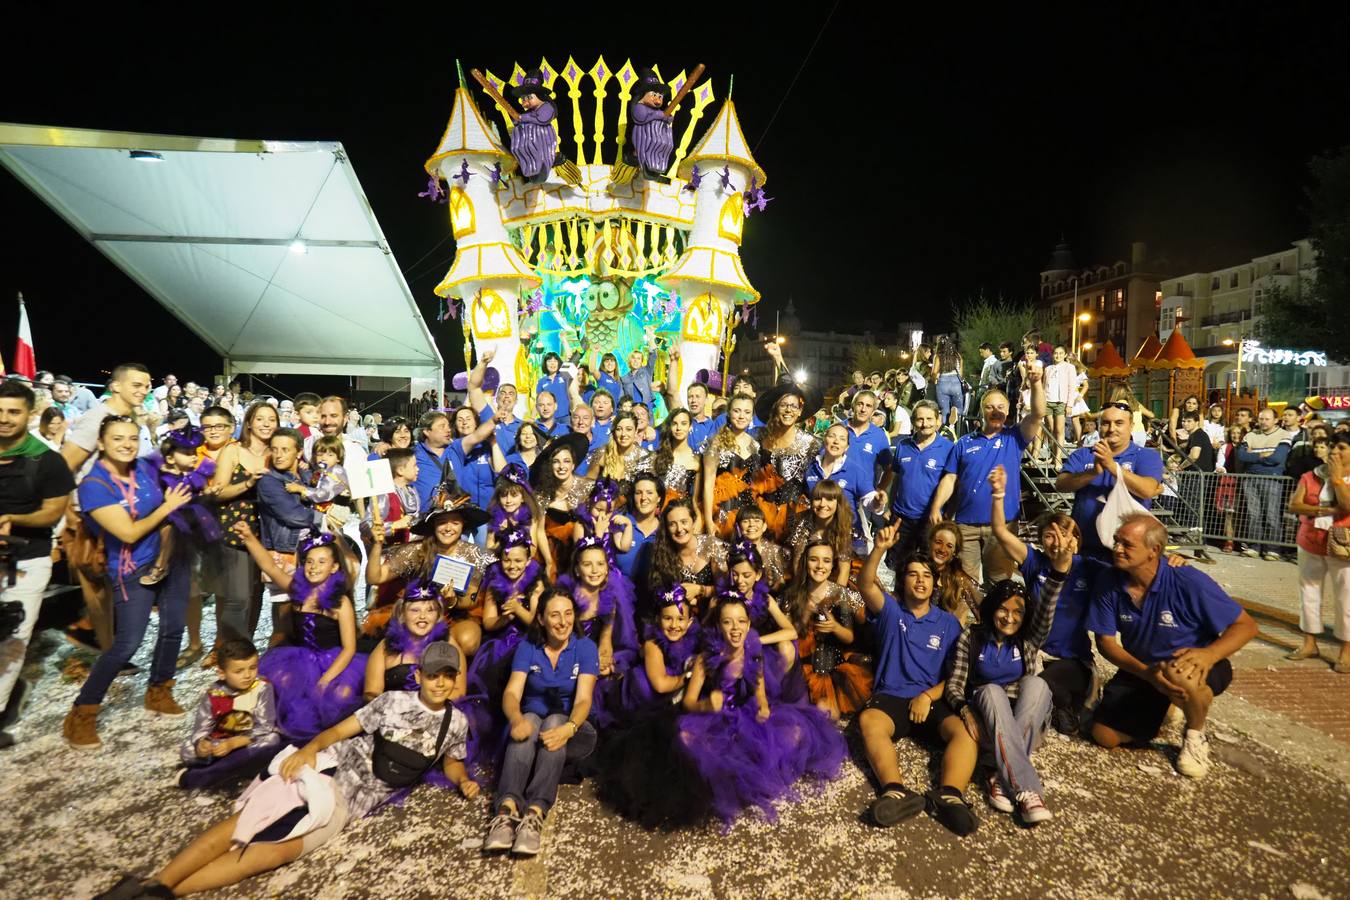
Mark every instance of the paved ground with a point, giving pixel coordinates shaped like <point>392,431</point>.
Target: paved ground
<point>1269,821</point>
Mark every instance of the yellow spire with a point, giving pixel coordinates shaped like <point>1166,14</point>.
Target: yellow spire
<point>467,132</point>
<point>724,142</point>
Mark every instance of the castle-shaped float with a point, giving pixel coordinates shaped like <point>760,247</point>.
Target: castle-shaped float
<point>588,260</point>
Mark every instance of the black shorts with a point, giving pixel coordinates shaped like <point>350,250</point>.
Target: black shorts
<point>898,709</point>
<point>1134,707</point>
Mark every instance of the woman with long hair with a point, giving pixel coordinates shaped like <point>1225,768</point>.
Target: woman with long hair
<point>675,462</point>
<point>831,520</point>
<point>947,365</point>
<point>779,486</point>
<point>622,457</point>
<point>685,557</point>
<point>829,616</point>
<point>956,591</point>
<point>605,599</point>
<point>560,490</point>
<point>731,461</point>
<point>418,619</point>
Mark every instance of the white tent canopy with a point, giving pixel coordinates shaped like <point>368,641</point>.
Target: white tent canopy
<point>267,250</point>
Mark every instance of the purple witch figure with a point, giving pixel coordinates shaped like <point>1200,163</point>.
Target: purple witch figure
<point>651,139</point>
<point>180,462</point>
<point>534,143</point>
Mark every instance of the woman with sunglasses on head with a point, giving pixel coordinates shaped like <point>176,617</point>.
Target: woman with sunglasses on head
<point>395,432</point>
<point>779,485</point>
<point>121,500</point>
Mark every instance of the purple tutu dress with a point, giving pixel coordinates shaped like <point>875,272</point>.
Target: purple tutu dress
<point>295,669</point>
<point>747,763</point>
<point>616,600</point>
<point>195,519</point>
<point>637,698</point>
<point>783,683</point>
<point>491,666</point>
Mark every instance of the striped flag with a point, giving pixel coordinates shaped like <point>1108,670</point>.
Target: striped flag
<point>25,363</point>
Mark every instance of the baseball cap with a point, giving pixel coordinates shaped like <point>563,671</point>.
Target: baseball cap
<point>439,656</point>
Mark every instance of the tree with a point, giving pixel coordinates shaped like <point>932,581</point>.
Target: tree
<point>981,319</point>
<point>1314,317</point>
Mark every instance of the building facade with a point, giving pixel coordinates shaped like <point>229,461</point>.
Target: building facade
<point>1120,301</point>
<point>1218,310</point>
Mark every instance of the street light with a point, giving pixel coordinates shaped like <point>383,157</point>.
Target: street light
<point>1087,345</point>
<point>1084,317</point>
<point>1229,342</point>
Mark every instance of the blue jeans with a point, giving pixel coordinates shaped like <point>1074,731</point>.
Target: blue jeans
<point>131,617</point>
<point>1014,732</point>
<point>949,395</point>
<point>1265,508</point>
<point>530,773</point>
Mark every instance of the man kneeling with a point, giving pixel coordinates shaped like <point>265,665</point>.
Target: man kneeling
<point>914,640</point>
<point>1170,631</point>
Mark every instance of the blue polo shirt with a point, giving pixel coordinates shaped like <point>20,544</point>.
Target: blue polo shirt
<point>917,473</point>
<point>559,427</point>
<point>996,663</point>
<point>699,432</point>
<point>863,450</point>
<point>506,431</point>
<point>913,652</point>
<point>1089,500</point>
<point>557,386</point>
<point>473,470</point>
<point>610,385</point>
<point>972,458</point>
<point>579,657</point>
<point>99,489</point>
<point>636,561</point>
<point>1068,638</point>
<point>428,472</point>
<point>1183,608</point>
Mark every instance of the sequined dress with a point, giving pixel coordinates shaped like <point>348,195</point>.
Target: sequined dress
<point>780,483</point>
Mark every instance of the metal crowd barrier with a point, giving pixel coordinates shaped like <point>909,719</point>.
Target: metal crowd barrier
<point>1250,510</point>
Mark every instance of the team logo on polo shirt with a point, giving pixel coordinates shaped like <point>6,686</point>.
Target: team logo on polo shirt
<point>534,669</point>
<point>905,459</point>
<point>932,462</point>
<point>576,669</point>
<point>934,641</point>
<point>1126,617</point>
<point>1017,652</point>
<point>1080,584</point>
<point>998,443</point>
<point>1165,619</point>
<point>867,447</point>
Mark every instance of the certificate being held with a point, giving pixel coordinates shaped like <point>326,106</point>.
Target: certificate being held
<point>452,572</point>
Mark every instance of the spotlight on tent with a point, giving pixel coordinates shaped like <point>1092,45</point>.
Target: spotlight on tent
<point>800,376</point>
<point>298,246</point>
<point>146,155</point>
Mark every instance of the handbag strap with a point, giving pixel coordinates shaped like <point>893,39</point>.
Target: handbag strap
<point>440,737</point>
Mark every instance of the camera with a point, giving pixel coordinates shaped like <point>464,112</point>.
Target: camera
<point>9,560</point>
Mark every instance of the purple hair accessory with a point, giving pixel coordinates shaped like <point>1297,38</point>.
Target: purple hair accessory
<point>606,489</point>
<point>308,541</point>
<point>186,438</point>
<point>675,596</point>
<point>420,590</point>
<point>517,475</point>
<point>515,537</point>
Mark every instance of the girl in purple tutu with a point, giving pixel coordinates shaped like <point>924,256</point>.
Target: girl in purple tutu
<point>418,619</point>
<point>510,597</point>
<point>596,517</point>
<point>317,674</point>
<point>605,600</point>
<point>747,753</point>
<point>180,461</point>
<point>667,657</point>
<point>513,506</point>
<point>746,576</point>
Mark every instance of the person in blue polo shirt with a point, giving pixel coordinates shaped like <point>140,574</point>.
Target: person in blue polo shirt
<point>965,479</point>
<point>501,409</point>
<point>433,466</point>
<point>911,480</point>
<point>834,464</point>
<point>1090,473</point>
<point>546,702</point>
<point>548,416</point>
<point>915,640</point>
<point>866,441</point>
<point>557,383</point>
<point>470,455</point>
<point>1170,631</point>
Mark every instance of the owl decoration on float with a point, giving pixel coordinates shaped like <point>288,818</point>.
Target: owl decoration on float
<point>599,225</point>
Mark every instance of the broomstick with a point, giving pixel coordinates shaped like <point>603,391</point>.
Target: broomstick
<point>496,97</point>
<point>685,89</point>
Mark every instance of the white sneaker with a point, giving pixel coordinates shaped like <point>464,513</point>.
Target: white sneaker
<point>1251,552</point>
<point>1193,761</point>
<point>997,799</point>
<point>1033,808</point>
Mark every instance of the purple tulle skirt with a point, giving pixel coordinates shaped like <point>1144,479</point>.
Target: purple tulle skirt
<point>746,763</point>
<point>637,697</point>
<point>490,668</point>
<point>302,710</point>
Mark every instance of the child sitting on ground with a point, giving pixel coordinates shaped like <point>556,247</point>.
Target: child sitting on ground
<point>181,461</point>
<point>234,734</point>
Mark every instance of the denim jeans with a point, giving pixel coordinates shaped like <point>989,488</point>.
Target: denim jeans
<point>27,590</point>
<point>949,395</point>
<point>1014,731</point>
<point>1264,511</point>
<point>131,616</point>
<point>530,773</point>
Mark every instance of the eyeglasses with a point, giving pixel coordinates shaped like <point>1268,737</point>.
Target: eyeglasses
<point>115,418</point>
<point>1119,404</point>
<point>214,427</point>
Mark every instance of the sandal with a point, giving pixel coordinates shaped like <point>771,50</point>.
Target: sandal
<point>189,656</point>
<point>154,576</point>
<point>1342,667</point>
<point>1301,653</point>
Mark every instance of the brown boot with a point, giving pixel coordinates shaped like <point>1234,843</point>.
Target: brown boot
<point>81,727</point>
<point>159,699</point>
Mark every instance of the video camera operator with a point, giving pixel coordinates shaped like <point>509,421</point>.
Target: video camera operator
<point>35,487</point>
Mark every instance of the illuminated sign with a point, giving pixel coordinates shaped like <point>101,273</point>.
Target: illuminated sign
<point>1252,351</point>
<point>1336,401</point>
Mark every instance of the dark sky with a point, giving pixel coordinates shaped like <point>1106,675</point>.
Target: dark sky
<point>917,161</point>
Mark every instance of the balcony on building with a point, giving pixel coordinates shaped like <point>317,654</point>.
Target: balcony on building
<point>1228,318</point>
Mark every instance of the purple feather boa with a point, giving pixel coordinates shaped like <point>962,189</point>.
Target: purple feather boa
<point>502,587</point>
<point>717,655</point>
<point>617,597</point>
<point>333,588</point>
<point>501,520</point>
<point>398,640</point>
<point>757,604</point>
<point>675,653</point>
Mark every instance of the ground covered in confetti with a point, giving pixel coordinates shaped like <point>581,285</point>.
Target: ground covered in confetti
<point>1264,823</point>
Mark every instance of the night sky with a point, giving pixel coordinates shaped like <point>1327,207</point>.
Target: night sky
<point>917,161</point>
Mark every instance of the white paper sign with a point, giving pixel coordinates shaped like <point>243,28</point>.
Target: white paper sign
<point>454,572</point>
<point>370,478</point>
